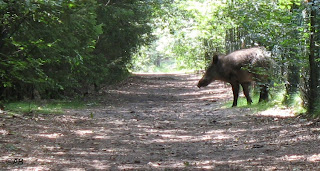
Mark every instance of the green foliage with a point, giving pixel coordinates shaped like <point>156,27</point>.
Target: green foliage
<point>50,49</point>
<point>43,45</point>
<point>316,111</point>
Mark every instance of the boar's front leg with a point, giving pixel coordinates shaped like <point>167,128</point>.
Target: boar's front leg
<point>235,90</point>
<point>246,91</point>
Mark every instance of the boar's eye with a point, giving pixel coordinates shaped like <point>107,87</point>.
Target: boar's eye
<point>210,68</point>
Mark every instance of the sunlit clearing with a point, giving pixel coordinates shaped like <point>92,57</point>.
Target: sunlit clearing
<point>183,72</point>
<point>200,164</point>
<point>309,158</point>
<point>183,164</point>
<point>314,158</point>
<point>276,112</point>
<point>3,132</point>
<point>51,136</point>
<point>35,168</point>
<point>102,137</point>
<point>179,49</point>
<point>100,165</point>
<point>173,136</point>
<point>82,133</point>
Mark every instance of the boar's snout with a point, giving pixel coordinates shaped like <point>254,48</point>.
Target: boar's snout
<point>203,83</point>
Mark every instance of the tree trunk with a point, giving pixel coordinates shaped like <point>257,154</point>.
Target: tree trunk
<point>292,83</point>
<point>313,80</point>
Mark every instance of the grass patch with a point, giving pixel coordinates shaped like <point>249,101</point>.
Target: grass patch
<point>242,103</point>
<point>51,107</point>
<point>275,101</point>
<point>296,104</point>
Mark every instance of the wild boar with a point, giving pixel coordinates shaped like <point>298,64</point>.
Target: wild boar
<point>240,67</point>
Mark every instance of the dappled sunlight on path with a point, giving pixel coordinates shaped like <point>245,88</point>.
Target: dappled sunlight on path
<point>162,122</point>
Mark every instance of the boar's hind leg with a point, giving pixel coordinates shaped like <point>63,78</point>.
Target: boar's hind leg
<point>245,87</point>
<point>235,90</point>
<point>263,93</point>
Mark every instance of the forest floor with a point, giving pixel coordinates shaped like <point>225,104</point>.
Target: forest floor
<point>160,122</point>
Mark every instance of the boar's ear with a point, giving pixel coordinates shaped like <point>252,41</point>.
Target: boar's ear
<point>215,59</point>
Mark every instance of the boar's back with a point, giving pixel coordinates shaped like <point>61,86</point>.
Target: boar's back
<point>255,57</point>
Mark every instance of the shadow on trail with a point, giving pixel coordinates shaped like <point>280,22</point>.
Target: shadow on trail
<point>164,122</point>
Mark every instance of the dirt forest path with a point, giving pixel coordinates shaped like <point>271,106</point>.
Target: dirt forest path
<point>160,122</point>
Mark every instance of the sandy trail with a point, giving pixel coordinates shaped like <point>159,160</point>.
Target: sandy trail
<point>160,122</point>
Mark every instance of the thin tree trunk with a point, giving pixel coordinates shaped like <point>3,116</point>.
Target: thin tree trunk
<point>293,76</point>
